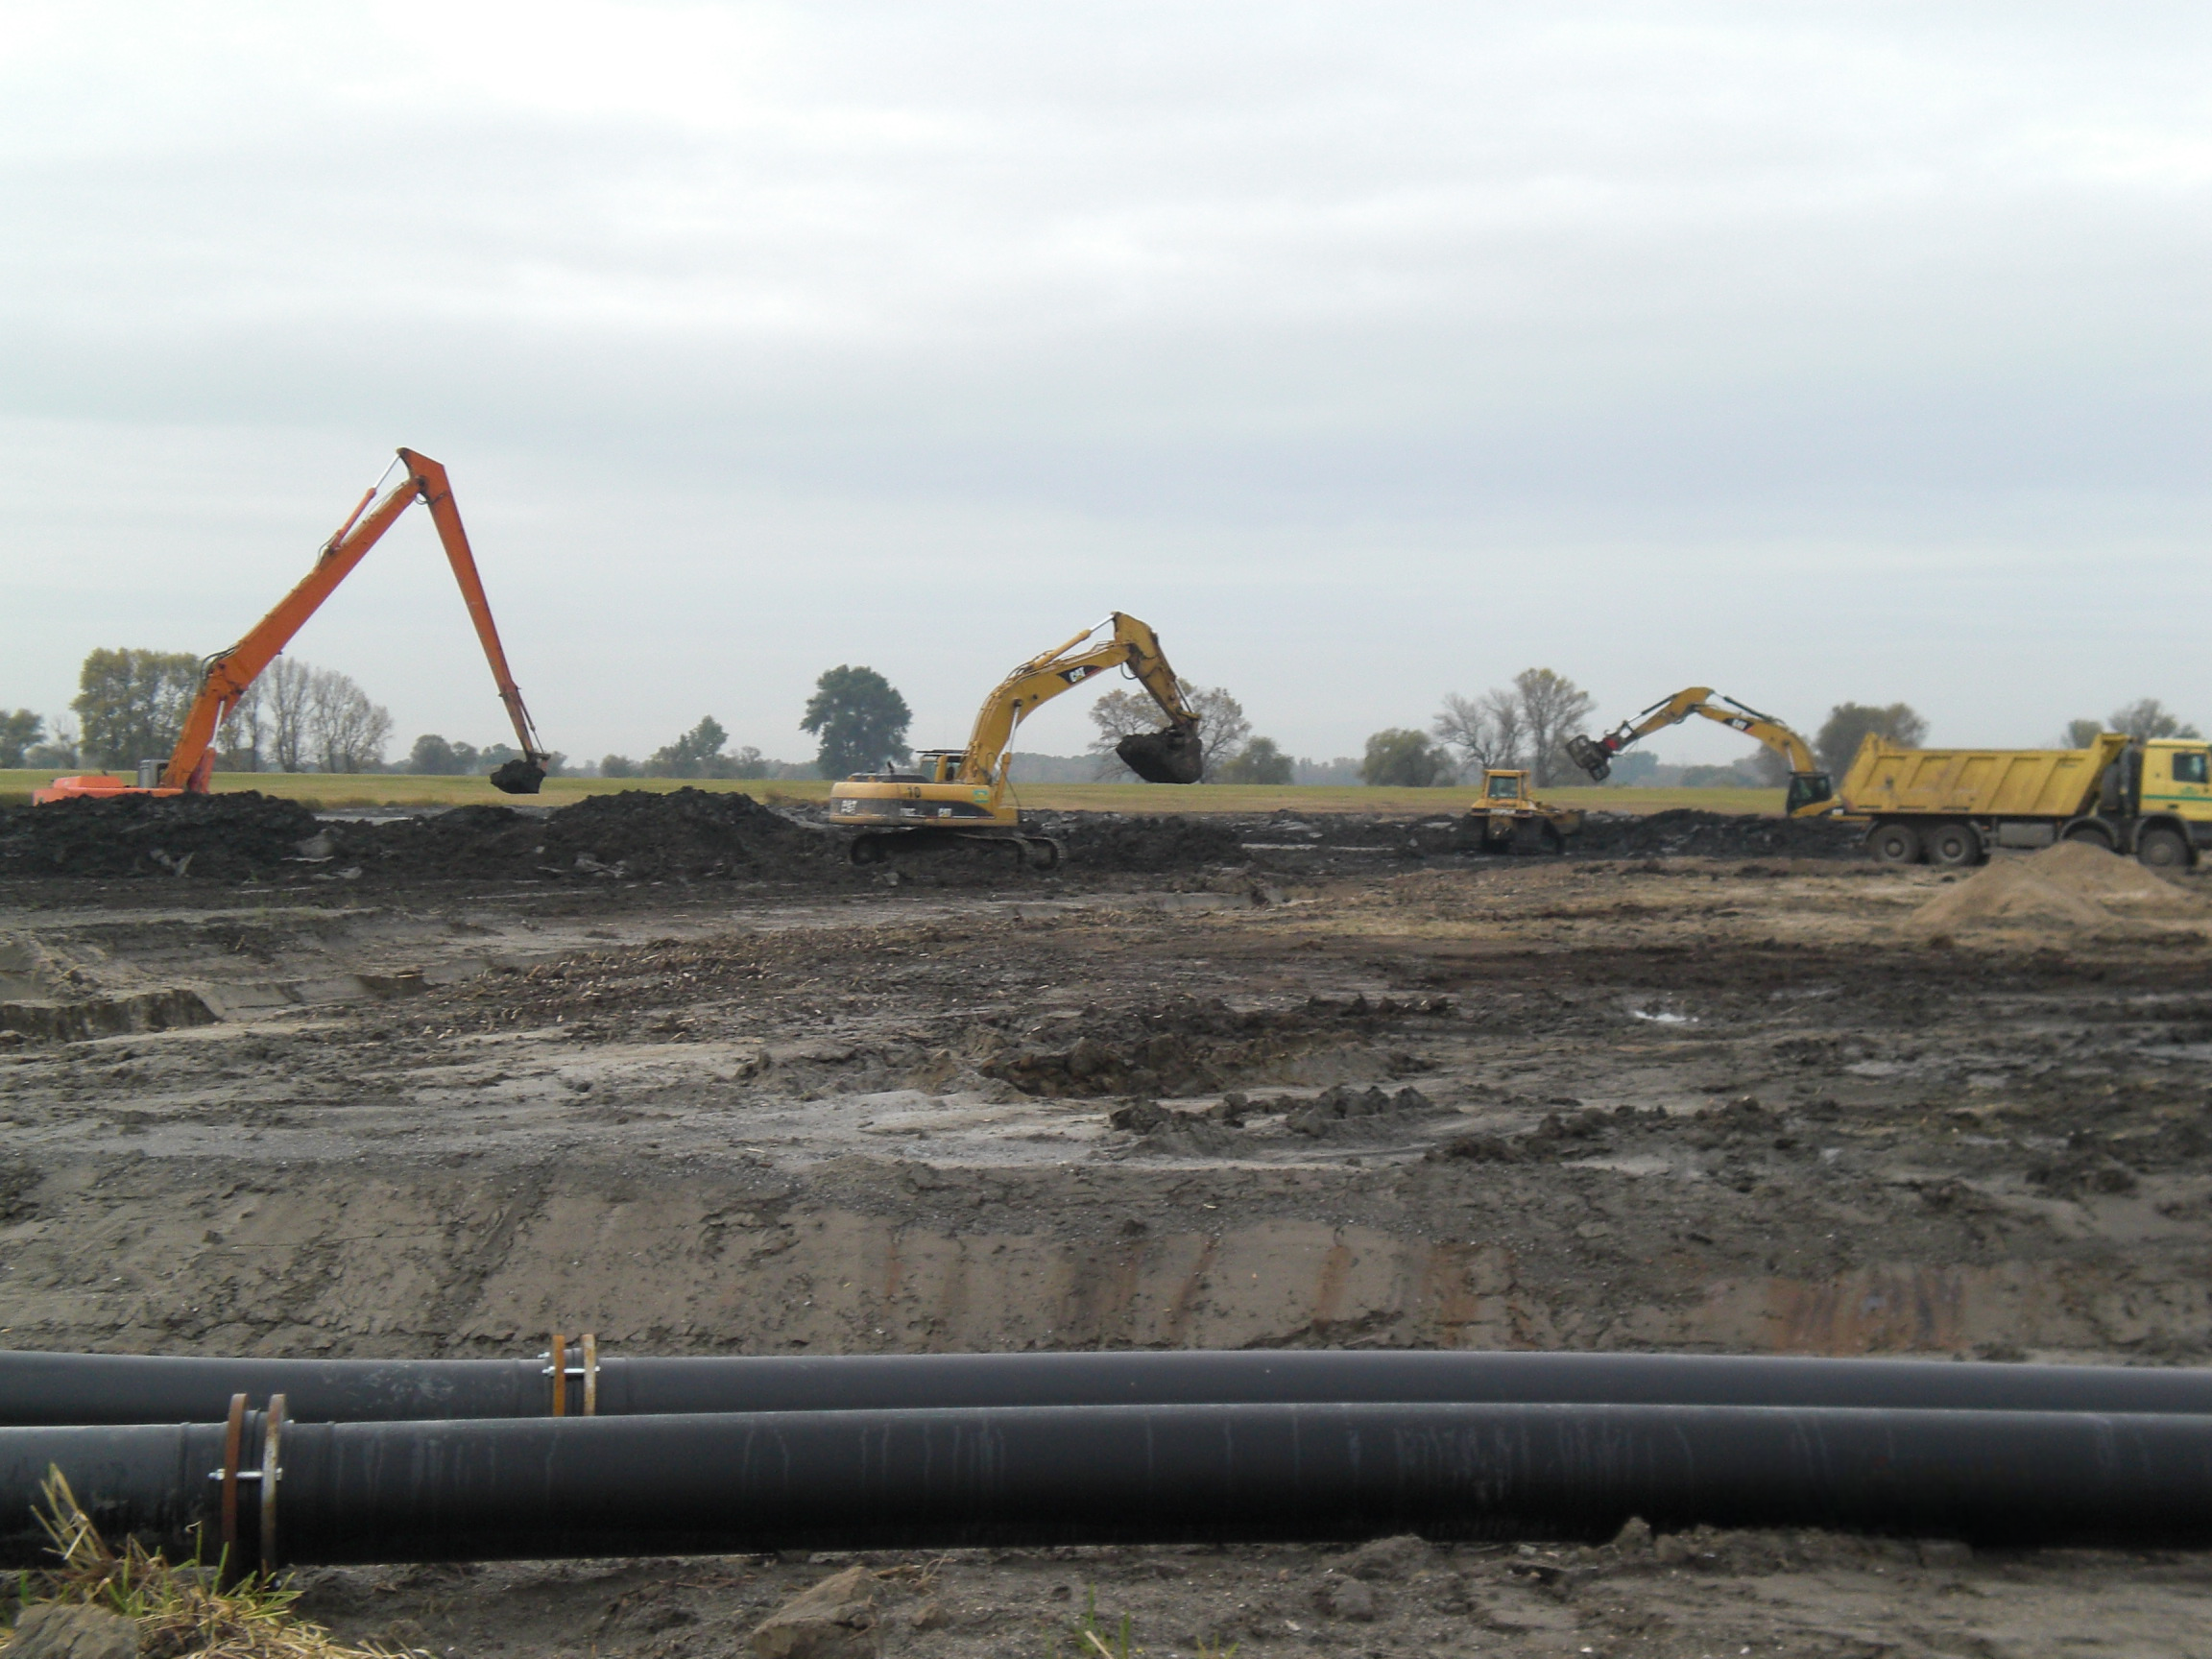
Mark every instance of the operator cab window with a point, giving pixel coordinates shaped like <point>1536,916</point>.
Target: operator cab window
<point>2189,766</point>
<point>1507,787</point>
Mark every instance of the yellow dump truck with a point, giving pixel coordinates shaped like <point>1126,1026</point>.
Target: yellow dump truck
<point>1952,806</point>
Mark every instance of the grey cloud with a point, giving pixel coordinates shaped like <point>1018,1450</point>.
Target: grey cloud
<point>1224,289</point>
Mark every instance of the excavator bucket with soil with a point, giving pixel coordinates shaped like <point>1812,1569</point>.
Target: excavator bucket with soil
<point>1592,756</point>
<point>1172,755</point>
<point>522,777</point>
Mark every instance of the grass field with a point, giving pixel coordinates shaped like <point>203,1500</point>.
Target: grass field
<point>332,791</point>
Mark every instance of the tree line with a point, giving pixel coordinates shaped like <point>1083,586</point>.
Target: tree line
<point>131,706</point>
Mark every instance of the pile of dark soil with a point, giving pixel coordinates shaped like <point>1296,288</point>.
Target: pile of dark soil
<point>1688,832</point>
<point>686,834</point>
<point>1116,841</point>
<point>225,838</point>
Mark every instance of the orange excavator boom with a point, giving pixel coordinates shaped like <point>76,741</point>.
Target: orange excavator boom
<point>228,673</point>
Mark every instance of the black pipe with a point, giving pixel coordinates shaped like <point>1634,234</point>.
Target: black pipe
<point>93,1388</point>
<point>539,1488</point>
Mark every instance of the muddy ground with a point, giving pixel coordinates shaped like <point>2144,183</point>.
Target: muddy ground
<point>1255,1094</point>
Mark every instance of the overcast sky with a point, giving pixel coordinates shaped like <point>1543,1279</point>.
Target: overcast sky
<point>1370,351</point>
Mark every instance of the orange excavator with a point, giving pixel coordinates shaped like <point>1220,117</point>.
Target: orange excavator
<point>226,675</point>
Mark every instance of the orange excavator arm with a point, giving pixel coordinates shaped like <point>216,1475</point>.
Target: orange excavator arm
<point>231,672</point>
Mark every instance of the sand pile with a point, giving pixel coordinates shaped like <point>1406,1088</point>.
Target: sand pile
<point>2073,882</point>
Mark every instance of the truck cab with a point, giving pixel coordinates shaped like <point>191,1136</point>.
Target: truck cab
<point>2173,804</point>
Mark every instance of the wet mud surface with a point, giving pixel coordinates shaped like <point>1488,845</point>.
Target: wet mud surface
<point>1770,1104</point>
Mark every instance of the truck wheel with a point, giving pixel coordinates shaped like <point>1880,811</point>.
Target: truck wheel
<point>2162,850</point>
<point>2093,835</point>
<point>1953,845</point>
<point>1895,844</point>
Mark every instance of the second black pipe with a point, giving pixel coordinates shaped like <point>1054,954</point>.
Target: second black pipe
<point>386,1492</point>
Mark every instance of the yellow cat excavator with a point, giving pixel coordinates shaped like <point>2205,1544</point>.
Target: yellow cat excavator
<point>961,794</point>
<point>1810,793</point>
<point>226,675</point>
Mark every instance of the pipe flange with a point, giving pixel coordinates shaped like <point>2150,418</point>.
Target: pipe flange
<point>272,1474</point>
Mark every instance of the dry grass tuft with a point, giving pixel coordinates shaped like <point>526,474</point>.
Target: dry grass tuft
<point>182,1612</point>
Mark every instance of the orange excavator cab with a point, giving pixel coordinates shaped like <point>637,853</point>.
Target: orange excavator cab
<point>228,673</point>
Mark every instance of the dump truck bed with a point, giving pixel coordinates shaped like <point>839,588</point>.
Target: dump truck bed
<point>1885,781</point>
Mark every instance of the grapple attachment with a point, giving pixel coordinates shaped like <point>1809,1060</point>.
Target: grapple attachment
<point>1172,755</point>
<point>1592,756</point>
<point>518,777</point>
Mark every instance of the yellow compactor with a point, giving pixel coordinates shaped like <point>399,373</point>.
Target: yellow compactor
<point>1505,817</point>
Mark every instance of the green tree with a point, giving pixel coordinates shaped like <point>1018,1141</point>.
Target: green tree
<point>694,754</point>
<point>1222,727</point>
<point>432,757</point>
<point>2081,734</point>
<point>1404,759</point>
<point>59,750</point>
<point>1261,761</point>
<point>617,766</point>
<point>20,731</point>
<point>1848,724</point>
<point>133,703</point>
<point>859,720</point>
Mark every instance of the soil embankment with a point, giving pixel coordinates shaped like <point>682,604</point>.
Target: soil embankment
<point>1328,1093</point>
<point>700,835</point>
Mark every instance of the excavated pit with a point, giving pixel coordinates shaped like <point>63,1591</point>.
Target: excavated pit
<point>1328,1096</point>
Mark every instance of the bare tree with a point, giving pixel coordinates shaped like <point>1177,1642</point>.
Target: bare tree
<point>346,731</point>
<point>1552,708</point>
<point>241,737</point>
<point>2148,719</point>
<point>1222,727</point>
<point>1464,727</point>
<point>1486,730</point>
<point>288,689</point>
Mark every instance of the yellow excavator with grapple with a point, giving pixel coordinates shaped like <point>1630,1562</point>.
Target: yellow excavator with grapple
<point>1811,795</point>
<point>962,794</point>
